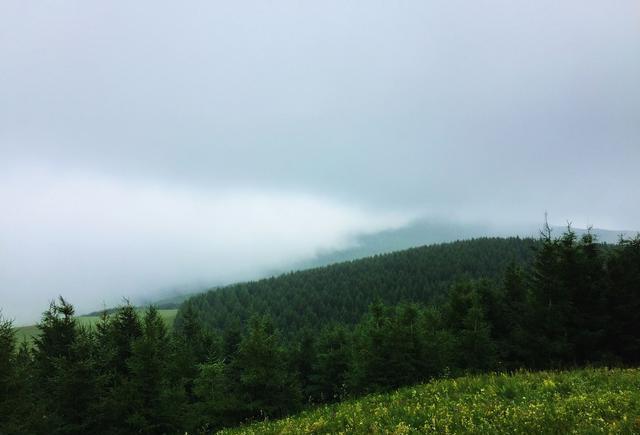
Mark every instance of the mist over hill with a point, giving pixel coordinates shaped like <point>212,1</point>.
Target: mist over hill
<point>423,232</point>
<point>420,232</point>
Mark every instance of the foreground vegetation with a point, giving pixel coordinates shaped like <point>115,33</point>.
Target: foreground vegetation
<point>581,401</point>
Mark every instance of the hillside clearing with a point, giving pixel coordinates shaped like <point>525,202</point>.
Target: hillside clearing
<point>31,331</point>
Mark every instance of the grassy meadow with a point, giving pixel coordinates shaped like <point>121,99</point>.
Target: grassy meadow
<point>28,332</point>
<point>586,401</point>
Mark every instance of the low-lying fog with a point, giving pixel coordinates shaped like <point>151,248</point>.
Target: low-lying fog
<point>157,146</point>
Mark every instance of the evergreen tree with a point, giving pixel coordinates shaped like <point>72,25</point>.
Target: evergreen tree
<point>148,389</point>
<point>125,329</point>
<point>189,348</point>
<point>115,337</point>
<point>63,370</point>
<point>191,332</point>
<point>550,305</point>
<point>302,361</point>
<point>372,351</point>
<point>231,338</point>
<point>440,353</point>
<point>7,374</point>
<point>590,317</point>
<point>25,408</point>
<point>330,370</point>
<point>213,408</point>
<point>266,388</point>
<point>623,333</point>
<point>516,311</point>
<point>466,317</point>
<point>407,362</point>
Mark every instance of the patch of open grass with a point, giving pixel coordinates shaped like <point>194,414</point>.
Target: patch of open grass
<point>31,331</point>
<point>593,401</point>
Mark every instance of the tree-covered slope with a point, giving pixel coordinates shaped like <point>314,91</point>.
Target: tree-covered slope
<point>580,401</point>
<point>342,292</point>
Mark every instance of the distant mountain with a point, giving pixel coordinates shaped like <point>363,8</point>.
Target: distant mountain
<point>428,232</point>
<point>422,232</point>
<point>418,233</point>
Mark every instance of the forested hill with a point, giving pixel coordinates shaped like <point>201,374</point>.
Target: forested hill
<point>576,303</point>
<point>342,292</point>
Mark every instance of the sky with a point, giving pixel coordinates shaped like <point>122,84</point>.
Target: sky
<point>158,145</point>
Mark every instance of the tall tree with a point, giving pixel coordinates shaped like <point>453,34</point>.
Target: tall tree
<point>466,316</point>
<point>516,311</point>
<point>624,301</point>
<point>8,385</point>
<point>125,329</point>
<point>149,388</point>
<point>302,360</point>
<point>64,370</point>
<point>266,387</point>
<point>372,350</point>
<point>590,315</point>
<point>550,304</point>
<point>330,370</point>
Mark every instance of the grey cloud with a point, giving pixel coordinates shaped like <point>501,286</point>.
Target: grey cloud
<point>488,110</point>
<point>97,240</point>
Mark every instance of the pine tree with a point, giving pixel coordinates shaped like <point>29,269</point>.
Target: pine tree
<point>115,337</point>
<point>547,326</point>
<point>590,316</point>
<point>63,370</point>
<point>476,345</point>
<point>107,377</point>
<point>330,371</point>
<point>514,345</point>
<point>372,351</point>
<point>624,301</point>
<point>25,408</point>
<point>266,387</point>
<point>7,374</point>
<point>148,387</point>
<point>440,353</point>
<point>190,348</point>
<point>232,335</point>
<point>125,329</point>
<point>466,317</point>
<point>406,363</point>
<point>191,332</point>
<point>302,359</point>
<point>213,409</point>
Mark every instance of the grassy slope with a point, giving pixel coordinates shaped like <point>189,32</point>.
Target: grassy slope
<point>580,401</point>
<point>31,331</point>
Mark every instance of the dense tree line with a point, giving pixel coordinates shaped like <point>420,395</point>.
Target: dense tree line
<point>576,303</point>
<point>343,292</point>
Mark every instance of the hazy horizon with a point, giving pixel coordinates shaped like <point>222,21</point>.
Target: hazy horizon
<point>154,146</point>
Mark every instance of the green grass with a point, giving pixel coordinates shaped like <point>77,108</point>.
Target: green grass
<point>28,332</point>
<point>588,401</point>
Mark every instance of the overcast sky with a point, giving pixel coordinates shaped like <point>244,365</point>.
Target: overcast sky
<point>150,144</point>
